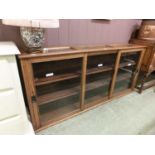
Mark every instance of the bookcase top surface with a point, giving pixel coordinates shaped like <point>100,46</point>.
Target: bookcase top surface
<point>71,50</point>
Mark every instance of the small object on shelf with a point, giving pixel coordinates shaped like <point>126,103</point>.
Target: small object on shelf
<point>45,50</point>
<point>129,64</point>
<point>100,65</point>
<point>49,74</point>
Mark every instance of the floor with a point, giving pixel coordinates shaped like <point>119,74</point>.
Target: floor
<point>131,114</point>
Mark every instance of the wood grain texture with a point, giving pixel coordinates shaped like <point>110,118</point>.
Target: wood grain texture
<point>30,91</point>
<point>81,50</point>
<point>56,112</point>
<point>137,69</point>
<point>83,82</point>
<point>115,74</point>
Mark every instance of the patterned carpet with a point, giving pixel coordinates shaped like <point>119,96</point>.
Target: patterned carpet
<point>131,114</point>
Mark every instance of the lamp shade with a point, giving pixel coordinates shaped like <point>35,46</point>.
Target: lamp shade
<point>38,23</point>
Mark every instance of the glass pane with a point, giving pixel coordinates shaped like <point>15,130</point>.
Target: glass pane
<point>58,88</point>
<point>127,67</point>
<point>99,74</point>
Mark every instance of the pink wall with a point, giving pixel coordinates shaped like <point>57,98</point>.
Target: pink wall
<point>80,31</point>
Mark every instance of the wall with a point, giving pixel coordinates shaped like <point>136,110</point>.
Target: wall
<point>80,31</point>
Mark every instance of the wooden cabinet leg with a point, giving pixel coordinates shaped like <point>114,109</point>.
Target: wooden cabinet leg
<point>145,76</point>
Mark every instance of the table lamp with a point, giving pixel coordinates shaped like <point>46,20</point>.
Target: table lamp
<point>32,31</point>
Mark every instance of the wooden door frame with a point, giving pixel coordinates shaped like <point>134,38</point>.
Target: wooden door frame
<point>83,82</point>
<point>112,86</point>
<point>134,80</point>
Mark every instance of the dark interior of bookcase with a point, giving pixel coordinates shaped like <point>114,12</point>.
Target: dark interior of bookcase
<point>126,72</point>
<point>58,83</point>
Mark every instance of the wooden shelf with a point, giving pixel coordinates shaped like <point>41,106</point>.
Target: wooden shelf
<point>68,92</point>
<point>44,99</point>
<point>59,113</point>
<point>56,78</point>
<point>63,112</point>
<point>99,70</point>
<point>67,76</point>
<point>127,63</point>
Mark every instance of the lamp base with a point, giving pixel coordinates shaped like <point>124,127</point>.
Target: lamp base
<point>33,38</point>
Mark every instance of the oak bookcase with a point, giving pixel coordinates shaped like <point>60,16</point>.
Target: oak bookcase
<point>65,81</point>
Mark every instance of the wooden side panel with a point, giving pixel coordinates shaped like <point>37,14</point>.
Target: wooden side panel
<point>30,92</point>
<point>152,65</point>
<point>137,69</point>
<point>147,59</point>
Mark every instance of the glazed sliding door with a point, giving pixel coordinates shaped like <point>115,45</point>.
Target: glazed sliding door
<point>98,77</point>
<point>58,88</point>
<point>127,70</point>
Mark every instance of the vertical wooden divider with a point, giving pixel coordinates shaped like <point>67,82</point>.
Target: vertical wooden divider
<point>137,69</point>
<point>83,81</point>
<point>115,74</point>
